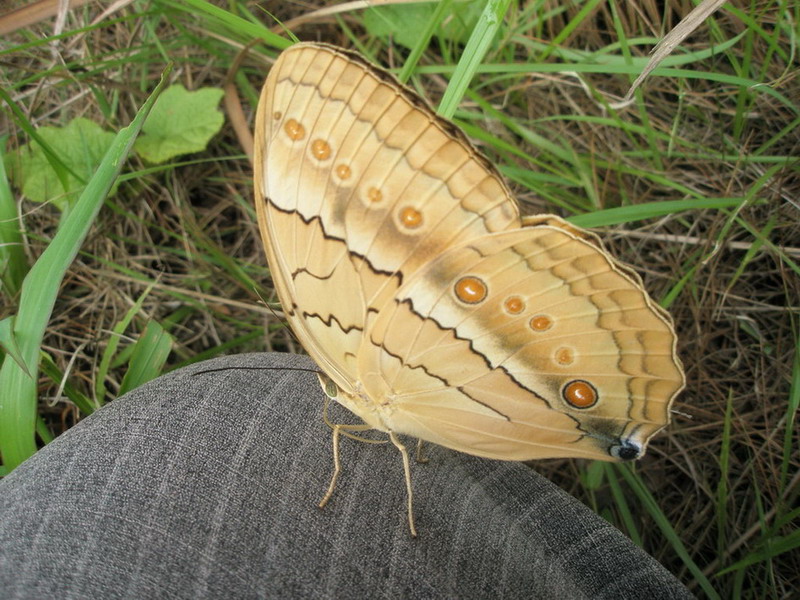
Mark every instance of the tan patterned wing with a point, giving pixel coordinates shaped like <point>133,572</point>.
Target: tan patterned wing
<point>525,344</point>
<point>358,184</point>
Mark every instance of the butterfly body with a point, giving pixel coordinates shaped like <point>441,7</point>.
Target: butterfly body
<point>407,273</point>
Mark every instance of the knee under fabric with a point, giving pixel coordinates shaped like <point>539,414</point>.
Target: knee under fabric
<point>205,483</point>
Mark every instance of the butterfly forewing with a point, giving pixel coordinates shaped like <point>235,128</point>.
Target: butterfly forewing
<point>358,184</point>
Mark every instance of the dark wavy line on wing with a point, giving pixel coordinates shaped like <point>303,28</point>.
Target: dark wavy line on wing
<point>327,236</point>
<point>329,322</point>
<point>440,378</point>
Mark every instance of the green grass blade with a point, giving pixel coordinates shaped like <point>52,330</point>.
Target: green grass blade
<point>679,286</point>
<point>424,40</point>
<point>113,342</point>
<point>39,292</point>
<point>476,48</point>
<point>623,507</point>
<point>149,355</point>
<point>618,68</point>
<point>8,343</point>
<point>13,264</point>
<point>84,404</point>
<point>586,10</point>
<point>770,548</point>
<point>722,486</point>
<point>646,498</point>
<point>789,447</point>
<point>42,431</point>
<point>766,242</point>
<point>649,210</point>
<point>752,252</point>
<point>232,22</point>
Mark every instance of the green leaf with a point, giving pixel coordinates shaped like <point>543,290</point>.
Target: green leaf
<point>405,22</point>
<point>81,145</point>
<point>181,122</point>
<point>25,125</point>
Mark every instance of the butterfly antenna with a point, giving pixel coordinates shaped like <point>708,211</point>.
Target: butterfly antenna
<point>235,368</point>
<point>278,316</point>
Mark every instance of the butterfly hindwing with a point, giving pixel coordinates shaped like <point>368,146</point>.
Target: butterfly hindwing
<point>484,349</point>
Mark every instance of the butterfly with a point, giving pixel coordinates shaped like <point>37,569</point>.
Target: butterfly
<point>432,307</point>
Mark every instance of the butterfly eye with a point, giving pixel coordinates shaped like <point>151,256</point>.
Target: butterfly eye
<point>328,385</point>
<point>580,394</point>
<point>625,450</point>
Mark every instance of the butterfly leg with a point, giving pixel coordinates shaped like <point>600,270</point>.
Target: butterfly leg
<point>407,469</point>
<point>337,465</point>
<point>421,458</point>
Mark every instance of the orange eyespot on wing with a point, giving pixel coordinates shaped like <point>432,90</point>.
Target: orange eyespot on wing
<point>580,394</point>
<point>410,217</point>
<point>541,323</point>
<point>514,305</point>
<point>470,290</point>
<point>320,149</point>
<point>294,130</point>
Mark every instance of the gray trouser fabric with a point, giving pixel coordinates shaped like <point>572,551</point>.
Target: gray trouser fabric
<point>204,484</point>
